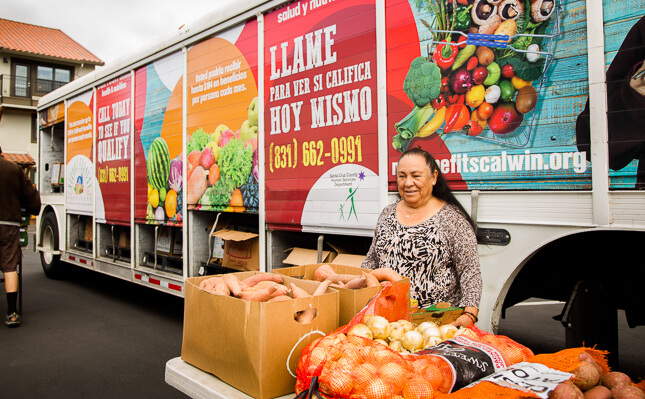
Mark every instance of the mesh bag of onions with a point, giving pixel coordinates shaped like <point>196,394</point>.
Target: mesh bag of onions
<point>381,354</point>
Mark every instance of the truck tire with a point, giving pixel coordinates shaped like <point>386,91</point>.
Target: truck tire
<point>52,265</point>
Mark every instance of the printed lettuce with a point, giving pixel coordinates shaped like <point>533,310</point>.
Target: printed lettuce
<point>235,163</point>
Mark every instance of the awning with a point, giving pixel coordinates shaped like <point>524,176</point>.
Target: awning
<point>23,160</point>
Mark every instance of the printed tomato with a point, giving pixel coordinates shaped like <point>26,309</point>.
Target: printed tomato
<point>484,111</point>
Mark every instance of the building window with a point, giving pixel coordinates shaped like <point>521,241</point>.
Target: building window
<point>51,78</point>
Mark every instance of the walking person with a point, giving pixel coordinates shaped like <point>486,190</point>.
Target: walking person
<point>16,192</point>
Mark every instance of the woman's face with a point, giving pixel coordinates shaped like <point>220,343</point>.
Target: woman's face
<point>414,180</point>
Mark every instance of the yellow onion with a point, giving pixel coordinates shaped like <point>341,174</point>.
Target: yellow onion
<point>396,345</point>
<point>381,341</point>
<point>425,324</point>
<point>431,340</point>
<point>412,340</point>
<point>396,331</point>
<point>360,330</point>
<point>379,326</point>
<point>447,331</point>
<point>430,330</point>
<point>407,326</point>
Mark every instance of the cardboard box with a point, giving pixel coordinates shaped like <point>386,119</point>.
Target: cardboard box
<point>241,250</point>
<point>124,239</point>
<point>351,301</point>
<point>249,345</point>
<point>441,313</point>
<point>303,256</point>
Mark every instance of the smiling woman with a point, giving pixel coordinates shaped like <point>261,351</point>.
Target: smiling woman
<point>428,236</point>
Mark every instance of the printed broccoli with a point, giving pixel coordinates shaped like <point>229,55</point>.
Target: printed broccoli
<point>423,82</point>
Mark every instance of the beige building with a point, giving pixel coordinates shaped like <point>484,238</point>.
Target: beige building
<point>34,60</point>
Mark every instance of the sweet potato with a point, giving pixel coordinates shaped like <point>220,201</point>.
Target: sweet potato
<point>233,284</point>
<point>356,283</point>
<point>339,284</point>
<point>586,376</point>
<point>566,390</point>
<point>371,280</point>
<point>281,290</point>
<point>323,272</point>
<point>215,285</point>
<point>322,288</point>
<point>306,316</point>
<point>598,392</point>
<point>262,295</point>
<point>280,298</point>
<point>386,274</point>
<point>627,392</point>
<point>298,292</point>
<point>253,280</point>
<point>614,379</point>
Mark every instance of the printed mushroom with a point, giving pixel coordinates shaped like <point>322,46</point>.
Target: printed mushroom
<point>495,2</point>
<point>510,9</point>
<point>484,13</point>
<point>541,10</point>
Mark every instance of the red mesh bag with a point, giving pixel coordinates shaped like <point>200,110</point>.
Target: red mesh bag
<point>343,365</point>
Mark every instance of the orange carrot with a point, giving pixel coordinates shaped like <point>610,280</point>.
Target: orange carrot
<point>386,274</point>
<point>298,292</point>
<point>262,295</point>
<point>233,284</point>
<point>253,280</point>
<point>322,288</point>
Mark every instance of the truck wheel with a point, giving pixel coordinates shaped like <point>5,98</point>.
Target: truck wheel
<point>52,265</point>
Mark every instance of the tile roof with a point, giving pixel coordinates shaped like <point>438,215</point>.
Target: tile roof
<point>34,39</point>
<point>20,159</point>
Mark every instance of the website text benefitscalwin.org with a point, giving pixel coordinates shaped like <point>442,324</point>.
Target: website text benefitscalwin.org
<point>527,162</point>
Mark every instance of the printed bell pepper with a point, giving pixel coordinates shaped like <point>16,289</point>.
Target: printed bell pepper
<point>462,18</point>
<point>444,54</point>
<point>444,84</point>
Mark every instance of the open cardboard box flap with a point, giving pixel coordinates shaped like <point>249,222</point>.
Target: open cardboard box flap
<point>234,235</point>
<point>303,256</point>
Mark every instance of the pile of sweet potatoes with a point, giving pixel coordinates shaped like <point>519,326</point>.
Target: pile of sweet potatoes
<point>590,381</point>
<point>263,287</point>
<point>372,278</point>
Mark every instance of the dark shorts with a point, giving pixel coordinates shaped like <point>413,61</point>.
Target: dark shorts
<point>10,251</point>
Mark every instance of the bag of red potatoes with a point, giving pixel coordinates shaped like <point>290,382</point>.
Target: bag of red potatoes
<point>343,365</point>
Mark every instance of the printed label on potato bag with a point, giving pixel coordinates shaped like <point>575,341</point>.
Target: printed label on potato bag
<point>529,377</point>
<point>470,360</point>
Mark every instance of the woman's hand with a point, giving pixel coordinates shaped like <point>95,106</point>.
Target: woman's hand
<point>468,318</point>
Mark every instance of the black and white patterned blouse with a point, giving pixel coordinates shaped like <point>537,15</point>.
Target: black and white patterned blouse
<point>439,256</point>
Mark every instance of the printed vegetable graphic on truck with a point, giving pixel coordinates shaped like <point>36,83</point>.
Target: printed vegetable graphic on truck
<point>164,184</point>
<point>483,70</point>
<point>223,167</point>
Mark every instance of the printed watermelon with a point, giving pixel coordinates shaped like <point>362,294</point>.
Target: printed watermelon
<point>158,164</point>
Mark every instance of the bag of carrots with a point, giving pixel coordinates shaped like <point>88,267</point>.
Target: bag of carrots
<point>358,360</point>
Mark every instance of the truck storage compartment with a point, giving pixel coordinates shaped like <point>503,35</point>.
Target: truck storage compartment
<point>207,251</point>
<point>160,247</point>
<point>113,243</point>
<point>80,233</point>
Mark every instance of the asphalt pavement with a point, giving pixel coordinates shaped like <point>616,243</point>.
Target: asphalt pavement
<point>89,335</point>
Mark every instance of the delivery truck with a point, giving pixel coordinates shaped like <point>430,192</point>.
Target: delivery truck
<point>267,133</point>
